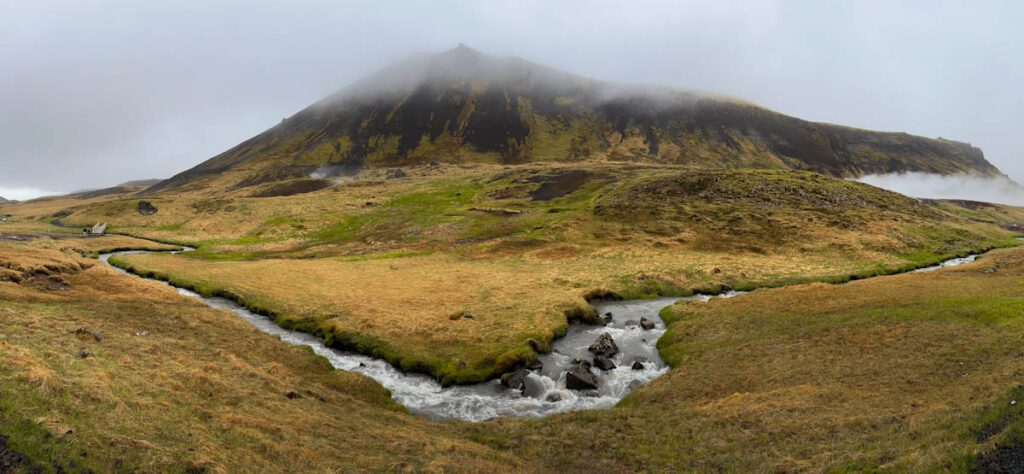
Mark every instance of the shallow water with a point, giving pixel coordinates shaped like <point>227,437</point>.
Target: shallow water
<point>948,263</point>
<point>545,387</point>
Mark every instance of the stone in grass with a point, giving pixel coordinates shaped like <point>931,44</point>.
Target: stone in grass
<point>146,208</point>
<point>84,333</point>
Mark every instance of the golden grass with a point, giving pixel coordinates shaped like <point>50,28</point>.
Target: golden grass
<point>404,303</point>
<point>202,388</point>
<point>893,373</point>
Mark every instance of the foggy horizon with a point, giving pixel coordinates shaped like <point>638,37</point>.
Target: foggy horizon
<point>102,92</point>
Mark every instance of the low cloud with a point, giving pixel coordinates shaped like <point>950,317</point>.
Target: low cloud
<point>22,193</point>
<point>934,186</point>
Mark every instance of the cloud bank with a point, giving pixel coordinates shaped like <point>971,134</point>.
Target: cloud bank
<point>22,193</point>
<point>934,186</point>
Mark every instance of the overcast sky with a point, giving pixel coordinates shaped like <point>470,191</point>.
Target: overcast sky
<point>95,92</point>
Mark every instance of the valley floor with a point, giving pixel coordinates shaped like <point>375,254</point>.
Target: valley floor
<point>913,372</point>
<point>910,372</point>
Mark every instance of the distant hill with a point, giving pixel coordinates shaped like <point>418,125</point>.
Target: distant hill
<point>2,200</point>
<point>464,106</point>
<point>139,183</point>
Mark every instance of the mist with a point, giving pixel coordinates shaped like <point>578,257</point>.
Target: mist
<point>1000,190</point>
<point>22,193</point>
<point>98,92</point>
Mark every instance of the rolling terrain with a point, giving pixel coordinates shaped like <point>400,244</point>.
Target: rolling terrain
<point>452,215</point>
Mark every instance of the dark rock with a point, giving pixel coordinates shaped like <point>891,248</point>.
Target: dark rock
<point>554,397</point>
<point>603,363</point>
<point>146,208</point>
<point>637,365</point>
<point>84,333</point>
<point>579,377</point>
<point>533,388</point>
<point>604,346</point>
<point>606,318</point>
<point>535,365</point>
<point>515,380</point>
<point>647,324</point>
<point>83,354</point>
<point>292,395</point>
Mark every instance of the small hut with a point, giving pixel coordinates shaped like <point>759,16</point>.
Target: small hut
<point>99,229</point>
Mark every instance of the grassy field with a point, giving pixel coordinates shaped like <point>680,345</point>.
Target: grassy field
<point>803,378</point>
<point>176,386</point>
<point>913,372</point>
<point>379,265</point>
<point>917,372</point>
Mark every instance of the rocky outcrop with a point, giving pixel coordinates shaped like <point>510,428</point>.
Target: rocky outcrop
<point>146,208</point>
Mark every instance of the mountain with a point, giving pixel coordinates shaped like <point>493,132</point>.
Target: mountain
<point>464,106</point>
<point>2,200</point>
<point>139,183</point>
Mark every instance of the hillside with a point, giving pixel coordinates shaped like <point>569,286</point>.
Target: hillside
<point>462,106</point>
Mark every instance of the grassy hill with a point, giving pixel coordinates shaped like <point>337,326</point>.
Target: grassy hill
<point>462,106</point>
<point>521,247</point>
<point>913,373</point>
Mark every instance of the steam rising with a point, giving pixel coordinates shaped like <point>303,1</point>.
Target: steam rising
<point>1001,189</point>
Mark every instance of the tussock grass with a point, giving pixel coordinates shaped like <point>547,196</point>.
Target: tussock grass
<point>200,390</point>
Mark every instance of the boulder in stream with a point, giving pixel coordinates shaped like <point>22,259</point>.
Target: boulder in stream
<point>516,380</point>
<point>637,365</point>
<point>533,388</point>
<point>579,376</point>
<point>604,346</point>
<point>647,324</point>
<point>603,363</point>
<point>606,318</point>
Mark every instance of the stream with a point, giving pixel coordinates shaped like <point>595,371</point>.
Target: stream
<point>539,391</point>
